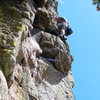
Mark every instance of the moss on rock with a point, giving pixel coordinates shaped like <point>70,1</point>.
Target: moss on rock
<point>13,25</point>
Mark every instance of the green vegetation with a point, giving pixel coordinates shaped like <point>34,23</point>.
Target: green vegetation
<point>14,17</point>
<point>97,2</point>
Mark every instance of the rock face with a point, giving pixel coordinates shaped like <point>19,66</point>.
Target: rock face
<point>34,64</point>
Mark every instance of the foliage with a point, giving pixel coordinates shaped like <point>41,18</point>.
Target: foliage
<point>97,2</point>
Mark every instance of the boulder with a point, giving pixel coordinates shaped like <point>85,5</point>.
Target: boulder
<point>41,19</point>
<point>51,83</point>
<point>54,48</point>
<point>30,50</point>
<point>64,64</point>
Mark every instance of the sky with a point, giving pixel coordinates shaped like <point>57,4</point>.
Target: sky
<point>85,46</point>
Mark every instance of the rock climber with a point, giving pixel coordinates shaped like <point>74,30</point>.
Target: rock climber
<point>64,28</point>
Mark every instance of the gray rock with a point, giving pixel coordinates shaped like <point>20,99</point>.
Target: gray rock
<point>30,50</point>
<point>17,93</point>
<point>24,57</point>
<point>38,35</point>
<point>18,72</point>
<point>3,87</point>
<point>28,83</point>
<point>41,19</point>
<point>51,84</point>
<point>40,3</point>
<point>54,48</point>
<point>64,64</point>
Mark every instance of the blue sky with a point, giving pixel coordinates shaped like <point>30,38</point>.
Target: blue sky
<point>85,46</point>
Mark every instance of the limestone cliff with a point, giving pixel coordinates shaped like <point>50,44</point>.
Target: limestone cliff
<point>26,47</point>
